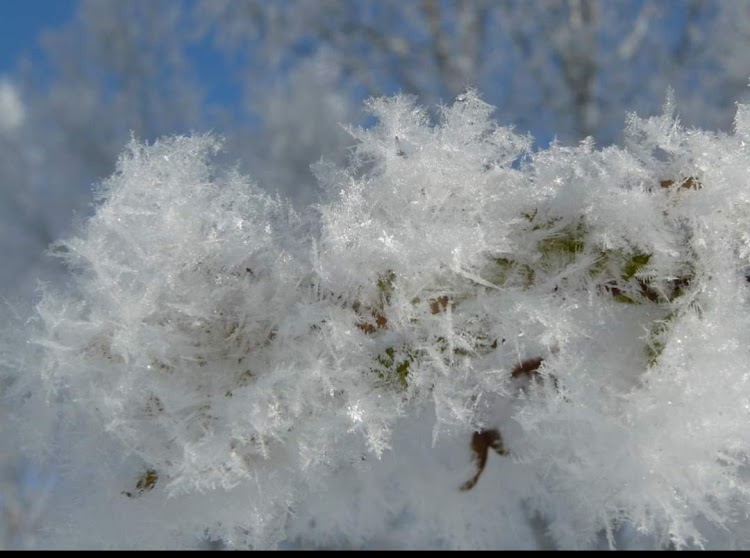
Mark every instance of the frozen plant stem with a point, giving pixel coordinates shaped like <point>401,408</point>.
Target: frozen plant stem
<point>237,354</point>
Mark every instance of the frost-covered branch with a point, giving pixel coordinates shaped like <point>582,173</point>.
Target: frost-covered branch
<point>580,312</point>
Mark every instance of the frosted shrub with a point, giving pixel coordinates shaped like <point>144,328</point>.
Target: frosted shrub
<point>581,312</point>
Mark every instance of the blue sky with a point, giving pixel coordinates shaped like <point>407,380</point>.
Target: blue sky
<point>21,21</point>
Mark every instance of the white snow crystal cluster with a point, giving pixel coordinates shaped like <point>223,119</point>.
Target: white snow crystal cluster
<point>582,312</point>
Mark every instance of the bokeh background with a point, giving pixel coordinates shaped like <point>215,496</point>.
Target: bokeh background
<point>280,80</point>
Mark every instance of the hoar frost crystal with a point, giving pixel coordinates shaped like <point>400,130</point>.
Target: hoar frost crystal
<point>583,312</point>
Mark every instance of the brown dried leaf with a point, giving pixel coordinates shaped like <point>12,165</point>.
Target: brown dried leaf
<point>481,442</point>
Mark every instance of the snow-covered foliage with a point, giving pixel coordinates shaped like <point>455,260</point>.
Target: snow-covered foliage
<point>328,379</point>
